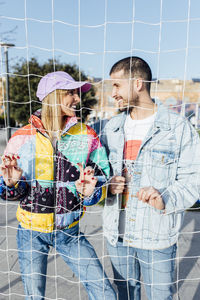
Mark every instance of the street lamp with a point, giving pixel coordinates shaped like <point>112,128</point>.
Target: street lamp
<point>5,47</point>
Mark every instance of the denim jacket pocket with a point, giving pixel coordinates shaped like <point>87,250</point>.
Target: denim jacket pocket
<point>160,167</point>
<point>154,227</point>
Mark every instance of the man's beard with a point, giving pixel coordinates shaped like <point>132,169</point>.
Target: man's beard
<point>129,107</point>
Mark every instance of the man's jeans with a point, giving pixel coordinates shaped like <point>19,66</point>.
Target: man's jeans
<point>126,270</point>
<point>157,269</point>
<point>77,252</point>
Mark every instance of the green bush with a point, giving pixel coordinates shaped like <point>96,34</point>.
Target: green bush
<point>3,122</point>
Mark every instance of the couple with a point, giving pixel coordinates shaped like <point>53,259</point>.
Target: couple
<point>154,159</point>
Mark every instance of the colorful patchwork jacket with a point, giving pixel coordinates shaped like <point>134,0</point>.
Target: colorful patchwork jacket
<point>47,193</point>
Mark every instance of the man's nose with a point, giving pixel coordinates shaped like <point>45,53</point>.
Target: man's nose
<point>114,93</point>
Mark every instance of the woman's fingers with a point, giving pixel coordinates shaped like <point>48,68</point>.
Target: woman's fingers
<point>10,159</point>
<point>87,181</point>
<point>81,178</point>
<point>9,169</point>
<point>88,171</point>
<point>6,160</point>
<point>3,170</point>
<point>86,174</point>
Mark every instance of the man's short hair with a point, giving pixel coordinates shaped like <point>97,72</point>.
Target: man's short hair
<point>134,67</point>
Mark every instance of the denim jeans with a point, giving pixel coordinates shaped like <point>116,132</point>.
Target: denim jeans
<point>157,269</point>
<point>126,270</point>
<point>76,251</point>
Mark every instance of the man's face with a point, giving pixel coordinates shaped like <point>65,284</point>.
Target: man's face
<point>123,91</point>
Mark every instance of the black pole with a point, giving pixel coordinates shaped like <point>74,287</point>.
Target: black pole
<point>8,128</point>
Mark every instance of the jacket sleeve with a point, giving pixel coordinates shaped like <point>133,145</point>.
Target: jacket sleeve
<point>98,160</point>
<point>103,138</point>
<point>184,192</point>
<point>20,189</point>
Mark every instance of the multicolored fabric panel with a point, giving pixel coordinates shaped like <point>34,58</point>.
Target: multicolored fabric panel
<point>79,144</point>
<point>74,144</point>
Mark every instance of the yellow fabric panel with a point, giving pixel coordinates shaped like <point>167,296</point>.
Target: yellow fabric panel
<point>79,128</point>
<point>43,158</point>
<point>104,192</point>
<point>35,221</point>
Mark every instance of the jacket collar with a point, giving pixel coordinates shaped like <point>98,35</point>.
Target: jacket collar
<point>36,121</point>
<point>70,121</point>
<point>120,120</point>
<point>162,119</point>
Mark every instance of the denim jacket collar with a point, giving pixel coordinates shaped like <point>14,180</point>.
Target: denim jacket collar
<point>161,121</point>
<point>120,122</point>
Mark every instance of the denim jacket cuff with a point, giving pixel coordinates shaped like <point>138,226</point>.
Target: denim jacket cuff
<point>169,207</point>
<point>160,211</point>
<point>110,195</point>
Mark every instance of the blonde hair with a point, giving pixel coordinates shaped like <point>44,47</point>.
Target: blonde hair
<point>52,118</point>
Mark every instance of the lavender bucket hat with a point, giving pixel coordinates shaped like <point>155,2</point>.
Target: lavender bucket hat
<point>59,80</point>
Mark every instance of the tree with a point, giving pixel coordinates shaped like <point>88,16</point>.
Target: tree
<point>24,82</point>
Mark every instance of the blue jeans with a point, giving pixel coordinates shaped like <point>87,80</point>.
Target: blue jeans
<point>77,252</point>
<point>157,269</point>
<point>126,270</point>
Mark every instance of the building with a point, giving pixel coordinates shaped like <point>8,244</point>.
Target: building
<point>180,95</point>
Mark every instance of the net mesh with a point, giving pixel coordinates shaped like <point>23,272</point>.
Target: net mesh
<point>93,35</point>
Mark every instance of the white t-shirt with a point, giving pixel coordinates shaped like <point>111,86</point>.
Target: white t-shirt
<point>135,132</point>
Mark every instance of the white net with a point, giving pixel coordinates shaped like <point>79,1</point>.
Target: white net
<point>89,36</point>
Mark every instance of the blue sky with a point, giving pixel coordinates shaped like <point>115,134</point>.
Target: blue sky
<point>94,34</point>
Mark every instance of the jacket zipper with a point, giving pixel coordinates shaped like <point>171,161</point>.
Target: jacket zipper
<point>55,181</point>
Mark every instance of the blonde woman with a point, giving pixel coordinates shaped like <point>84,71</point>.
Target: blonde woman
<point>56,167</point>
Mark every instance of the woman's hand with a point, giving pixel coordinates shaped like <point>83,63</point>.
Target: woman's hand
<point>9,169</point>
<point>86,182</point>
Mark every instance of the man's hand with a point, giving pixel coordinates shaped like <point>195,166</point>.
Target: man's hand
<point>9,169</point>
<point>117,185</point>
<point>86,182</point>
<point>151,196</point>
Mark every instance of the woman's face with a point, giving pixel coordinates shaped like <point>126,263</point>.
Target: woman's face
<point>69,101</point>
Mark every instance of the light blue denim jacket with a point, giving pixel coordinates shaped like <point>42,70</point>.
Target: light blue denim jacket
<point>169,161</point>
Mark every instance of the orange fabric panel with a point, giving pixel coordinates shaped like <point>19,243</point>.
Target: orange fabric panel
<point>26,130</point>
